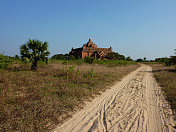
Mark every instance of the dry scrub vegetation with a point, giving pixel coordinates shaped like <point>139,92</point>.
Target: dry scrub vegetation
<point>37,101</point>
<point>166,77</point>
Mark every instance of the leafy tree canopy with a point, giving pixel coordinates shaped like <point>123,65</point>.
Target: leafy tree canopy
<point>63,57</point>
<point>115,56</point>
<point>33,51</point>
<point>139,60</point>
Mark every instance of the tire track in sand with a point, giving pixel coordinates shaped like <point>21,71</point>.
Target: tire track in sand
<point>135,104</point>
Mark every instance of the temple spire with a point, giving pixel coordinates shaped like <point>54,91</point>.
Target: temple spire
<point>90,39</point>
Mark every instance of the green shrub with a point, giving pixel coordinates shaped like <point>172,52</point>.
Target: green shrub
<point>89,60</point>
<point>4,61</point>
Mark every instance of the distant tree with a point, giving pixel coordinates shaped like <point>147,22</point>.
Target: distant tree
<point>139,60</point>
<point>168,61</point>
<point>17,57</point>
<point>162,60</point>
<point>172,59</point>
<point>33,51</point>
<point>66,54</point>
<point>63,57</point>
<point>111,56</point>
<point>115,56</point>
<point>71,57</point>
<point>58,57</point>
<point>129,58</point>
<point>121,57</point>
<point>145,59</point>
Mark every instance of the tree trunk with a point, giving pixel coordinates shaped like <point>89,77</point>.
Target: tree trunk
<point>34,66</point>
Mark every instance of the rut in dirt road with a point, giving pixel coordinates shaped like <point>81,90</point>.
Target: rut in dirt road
<point>134,104</point>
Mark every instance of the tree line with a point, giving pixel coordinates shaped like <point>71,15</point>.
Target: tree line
<point>110,56</point>
<point>34,50</point>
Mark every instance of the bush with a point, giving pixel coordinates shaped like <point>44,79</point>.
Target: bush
<point>89,60</point>
<point>4,61</point>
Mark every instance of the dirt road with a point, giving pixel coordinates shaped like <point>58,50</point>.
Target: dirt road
<point>134,104</point>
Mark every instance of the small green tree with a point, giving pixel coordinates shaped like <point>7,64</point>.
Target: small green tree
<point>33,51</point>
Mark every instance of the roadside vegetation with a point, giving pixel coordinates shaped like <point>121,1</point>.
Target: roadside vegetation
<point>37,101</point>
<point>166,78</point>
<point>167,61</point>
<point>109,63</point>
<point>165,74</point>
<point>112,59</point>
<point>5,61</point>
<point>35,96</point>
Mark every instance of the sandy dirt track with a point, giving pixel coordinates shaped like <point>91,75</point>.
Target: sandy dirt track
<point>134,104</point>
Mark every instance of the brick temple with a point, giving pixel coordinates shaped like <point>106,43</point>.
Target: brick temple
<point>90,49</point>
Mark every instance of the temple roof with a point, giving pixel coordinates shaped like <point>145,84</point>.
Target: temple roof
<point>90,39</point>
<point>90,43</point>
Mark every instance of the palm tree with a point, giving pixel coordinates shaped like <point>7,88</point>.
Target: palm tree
<point>33,51</point>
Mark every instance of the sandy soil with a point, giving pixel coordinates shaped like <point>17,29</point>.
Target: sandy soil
<point>134,104</point>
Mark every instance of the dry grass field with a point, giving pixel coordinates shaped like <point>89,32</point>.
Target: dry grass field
<point>37,101</point>
<point>166,77</point>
